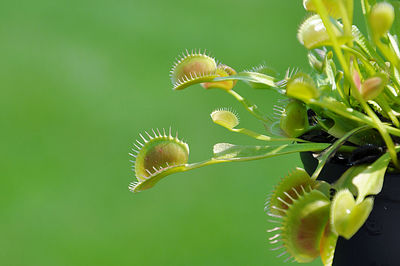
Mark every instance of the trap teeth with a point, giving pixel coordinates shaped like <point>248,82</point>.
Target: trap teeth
<point>312,33</point>
<point>288,190</point>
<point>157,157</point>
<point>303,214</point>
<point>304,224</point>
<point>193,68</point>
<point>301,86</point>
<point>226,118</point>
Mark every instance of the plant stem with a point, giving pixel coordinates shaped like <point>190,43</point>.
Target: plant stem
<point>362,57</point>
<point>366,8</point>
<point>387,52</point>
<point>316,147</point>
<point>386,108</point>
<point>259,136</point>
<point>252,108</point>
<point>336,47</point>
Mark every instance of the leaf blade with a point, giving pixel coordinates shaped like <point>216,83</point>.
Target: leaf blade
<point>370,181</point>
<point>254,79</point>
<point>230,152</point>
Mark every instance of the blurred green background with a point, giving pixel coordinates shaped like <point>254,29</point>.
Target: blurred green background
<point>80,80</point>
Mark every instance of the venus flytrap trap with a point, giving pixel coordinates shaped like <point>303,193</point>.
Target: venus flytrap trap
<point>193,68</point>
<point>157,156</point>
<point>345,107</point>
<point>294,119</point>
<point>225,117</point>
<point>222,71</point>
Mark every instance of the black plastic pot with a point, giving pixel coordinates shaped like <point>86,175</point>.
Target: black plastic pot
<point>377,243</point>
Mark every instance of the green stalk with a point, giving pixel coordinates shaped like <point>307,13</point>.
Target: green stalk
<point>251,108</point>
<point>366,8</point>
<point>379,126</point>
<point>325,19</point>
<point>387,52</point>
<point>312,147</point>
<point>259,136</point>
<point>362,57</point>
<point>386,108</point>
<point>347,18</point>
<point>392,97</point>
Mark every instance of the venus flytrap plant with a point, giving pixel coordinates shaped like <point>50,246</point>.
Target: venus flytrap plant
<point>350,100</point>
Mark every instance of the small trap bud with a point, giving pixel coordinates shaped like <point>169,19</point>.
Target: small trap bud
<point>225,117</point>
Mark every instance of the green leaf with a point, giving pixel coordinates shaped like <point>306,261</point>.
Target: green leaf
<point>342,125</point>
<point>332,105</point>
<point>346,180</point>
<point>231,152</point>
<point>324,187</point>
<point>254,79</point>
<point>364,180</point>
<point>347,216</point>
<point>370,180</point>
